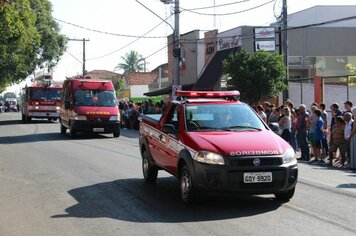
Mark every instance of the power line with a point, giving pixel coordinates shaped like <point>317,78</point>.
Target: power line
<point>216,6</point>
<point>125,46</point>
<point>74,57</point>
<point>107,33</point>
<point>231,13</point>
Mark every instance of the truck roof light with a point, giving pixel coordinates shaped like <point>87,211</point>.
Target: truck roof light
<point>211,94</point>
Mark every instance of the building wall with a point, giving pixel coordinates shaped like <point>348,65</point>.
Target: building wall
<point>189,44</point>
<point>319,14</point>
<point>137,91</point>
<point>332,94</point>
<point>323,41</point>
<point>188,73</point>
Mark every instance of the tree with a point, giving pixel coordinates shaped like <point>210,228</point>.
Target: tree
<point>29,38</point>
<point>257,76</point>
<point>132,62</point>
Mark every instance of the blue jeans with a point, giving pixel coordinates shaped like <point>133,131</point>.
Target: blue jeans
<point>303,142</point>
<point>293,141</point>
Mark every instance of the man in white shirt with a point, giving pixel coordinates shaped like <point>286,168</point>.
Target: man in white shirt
<point>347,131</point>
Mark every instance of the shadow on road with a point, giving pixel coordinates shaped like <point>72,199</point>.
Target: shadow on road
<point>55,136</point>
<point>346,186</point>
<point>30,138</point>
<point>20,122</point>
<point>135,201</point>
<point>129,133</point>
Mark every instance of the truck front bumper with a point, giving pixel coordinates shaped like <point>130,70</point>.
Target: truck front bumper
<point>95,126</point>
<point>229,178</point>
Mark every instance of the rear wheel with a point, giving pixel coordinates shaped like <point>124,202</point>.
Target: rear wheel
<point>149,170</point>
<point>285,196</point>
<point>23,117</point>
<point>188,193</point>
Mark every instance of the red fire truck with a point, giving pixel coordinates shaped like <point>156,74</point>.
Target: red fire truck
<point>41,100</point>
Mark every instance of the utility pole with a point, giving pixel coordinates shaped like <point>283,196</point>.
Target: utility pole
<point>285,44</point>
<point>176,47</point>
<point>83,40</point>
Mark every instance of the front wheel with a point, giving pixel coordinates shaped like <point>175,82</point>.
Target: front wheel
<point>63,129</point>
<point>149,170</point>
<point>72,131</point>
<point>285,196</point>
<point>116,133</point>
<point>188,193</point>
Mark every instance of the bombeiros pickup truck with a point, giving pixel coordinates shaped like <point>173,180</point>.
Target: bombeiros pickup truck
<point>212,142</point>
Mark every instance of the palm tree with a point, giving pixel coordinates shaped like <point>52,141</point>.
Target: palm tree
<point>132,62</point>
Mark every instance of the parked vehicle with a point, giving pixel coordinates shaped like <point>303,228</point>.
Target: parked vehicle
<point>213,143</point>
<point>89,105</point>
<point>41,100</point>
<point>10,104</point>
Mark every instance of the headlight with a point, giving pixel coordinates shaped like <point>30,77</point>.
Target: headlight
<point>209,158</point>
<point>58,108</point>
<point>115,118</point>
<point>289,156</point>
<point>76,117</point>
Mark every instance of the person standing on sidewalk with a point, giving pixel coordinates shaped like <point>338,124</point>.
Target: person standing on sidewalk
<point>324,116</point>
<point>302,132</point>
<point>311,125</point>
<point>352,139</point>
<point>347,133</point>
<point>338,141</point>
<point>335,112</point>
<point>319,136</point>
<point>285,124</point>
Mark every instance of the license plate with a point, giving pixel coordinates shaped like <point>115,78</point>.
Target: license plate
<point>258,177</point>
<point>98,129</point>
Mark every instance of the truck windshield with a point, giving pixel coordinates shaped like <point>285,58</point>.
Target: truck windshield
<point>221,117</point>
<point>45,93</point>
<point>99,98</point>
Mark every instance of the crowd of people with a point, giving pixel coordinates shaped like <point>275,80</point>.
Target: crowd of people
<point>131,112</point>
<point>308,129</point>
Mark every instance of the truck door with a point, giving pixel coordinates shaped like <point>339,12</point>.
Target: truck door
<point>172,144</point>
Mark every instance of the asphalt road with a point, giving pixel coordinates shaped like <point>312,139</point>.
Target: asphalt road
<point>92,185</point>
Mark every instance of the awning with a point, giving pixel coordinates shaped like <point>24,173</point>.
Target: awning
<point>214,70</point>
<point>167,90</point>
<point>208,79</point>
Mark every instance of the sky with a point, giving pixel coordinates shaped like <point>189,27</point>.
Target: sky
<point>122,23</point>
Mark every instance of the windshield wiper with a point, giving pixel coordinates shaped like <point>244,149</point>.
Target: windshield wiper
<point>240,127</point>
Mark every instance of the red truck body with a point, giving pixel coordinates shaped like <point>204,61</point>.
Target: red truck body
<point>190,140</point>
<point>41,100</point>
<point>89,105</point>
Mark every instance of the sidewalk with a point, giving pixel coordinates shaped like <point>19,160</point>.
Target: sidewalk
<point>322,175</point>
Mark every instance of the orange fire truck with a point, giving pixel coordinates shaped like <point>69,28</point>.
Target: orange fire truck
<point>41,100</point>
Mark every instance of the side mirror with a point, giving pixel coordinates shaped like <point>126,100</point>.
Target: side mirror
<point>67,105</point>
<point>169,128</point>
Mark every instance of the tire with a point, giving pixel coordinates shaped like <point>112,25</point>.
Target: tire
<point>189,194</point>
<point>116,133</point>
<point>63,129</point>
<point>23,117</point>
<point>149,170</point>
<point>285,196</point>
<point>72,131</point>
<point>28,118</point>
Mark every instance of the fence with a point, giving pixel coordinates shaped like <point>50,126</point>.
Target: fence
<point>336,89</point>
